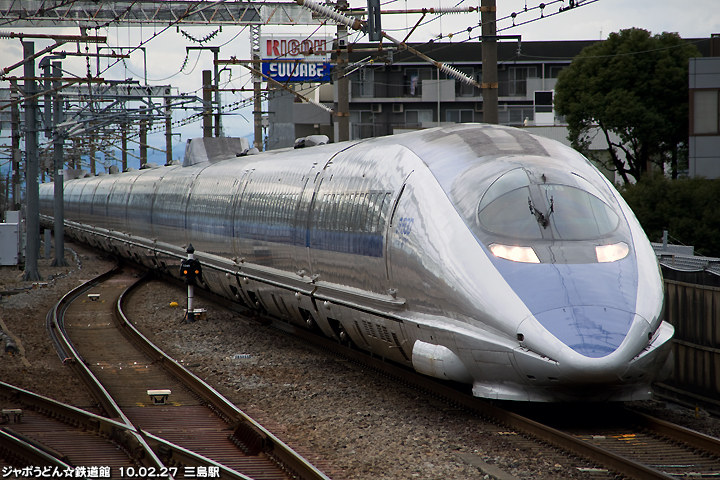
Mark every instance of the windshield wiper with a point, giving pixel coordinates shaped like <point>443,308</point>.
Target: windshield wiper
<point>542,219</point>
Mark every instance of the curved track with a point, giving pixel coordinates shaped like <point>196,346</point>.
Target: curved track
<point>53,434</point>
<point>194,426</point>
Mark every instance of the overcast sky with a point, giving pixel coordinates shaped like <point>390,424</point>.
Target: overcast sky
<point>167,63</point>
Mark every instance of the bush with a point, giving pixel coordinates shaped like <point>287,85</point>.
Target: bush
<point>689,208</point>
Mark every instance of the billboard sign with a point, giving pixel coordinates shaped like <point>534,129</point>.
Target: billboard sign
<point>294,58</point>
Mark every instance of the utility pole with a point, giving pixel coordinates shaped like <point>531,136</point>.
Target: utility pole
<point>15,129</point>
<point>32,221</point>
<point>218,115</point>
<point>489,61</point>
<point>124,146</point>
<point>58,160</point>
<point>216,83</point>
<point>343,91</point>
<point>207,103</point>
<point>168,130</point>
<point>257,87</point>
<point>75,159</point>
<point>143,137</point>
<point>91,141</point>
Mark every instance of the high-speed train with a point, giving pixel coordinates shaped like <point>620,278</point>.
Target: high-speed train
<point>475,253</point>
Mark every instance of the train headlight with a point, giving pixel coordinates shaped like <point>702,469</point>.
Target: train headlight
<point>516,254</point>
<point>611,253</point>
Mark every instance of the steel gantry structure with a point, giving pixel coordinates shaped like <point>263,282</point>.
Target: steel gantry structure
<point>98,108</point>
<point>89,13</point>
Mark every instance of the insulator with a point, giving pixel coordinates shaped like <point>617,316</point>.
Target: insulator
<point>457,74</point>
<point>319,105</point>
<point>6,35</point>
<point>450,10</point>
<point>328,12</point>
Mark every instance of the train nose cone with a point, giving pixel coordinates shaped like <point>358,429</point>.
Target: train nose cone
<point>591,331</point>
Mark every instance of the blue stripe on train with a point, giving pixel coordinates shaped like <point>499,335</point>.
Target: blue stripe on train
<point>356,243</point>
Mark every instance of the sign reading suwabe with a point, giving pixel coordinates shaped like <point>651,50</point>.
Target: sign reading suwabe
<point>288,58</point>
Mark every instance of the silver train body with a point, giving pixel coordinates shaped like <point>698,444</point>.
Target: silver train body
<point>475,253</point>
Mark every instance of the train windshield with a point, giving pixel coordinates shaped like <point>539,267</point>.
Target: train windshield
<point>518,207</point>
<point>539,210</point>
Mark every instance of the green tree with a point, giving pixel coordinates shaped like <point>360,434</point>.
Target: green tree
<point>689,208</point>
<point>635,85</point>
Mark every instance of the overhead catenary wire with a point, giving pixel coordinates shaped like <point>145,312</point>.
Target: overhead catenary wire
<point>356,24</point>
<point>447,69</point>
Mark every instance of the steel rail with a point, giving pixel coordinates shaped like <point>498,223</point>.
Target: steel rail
<point>120,433</point>
<point>57,332</point>
<point>137,443</point>
<point>239,420</point>
<point>564,441</point>
<point>32,454</point>
<point>697,440</point>
<point>154,447</point>
<point>187,458</point>
<point>72,357</point>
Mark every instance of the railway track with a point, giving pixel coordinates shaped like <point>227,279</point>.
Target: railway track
<point>177,420</point>
<point>626,444</point>
<point>42,433</point>
<point>629,444</point>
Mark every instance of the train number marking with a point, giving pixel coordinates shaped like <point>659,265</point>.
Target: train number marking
<point>404,226</point>
<point>402,230</point>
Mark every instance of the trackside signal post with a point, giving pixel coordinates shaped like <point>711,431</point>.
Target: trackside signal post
<point>190,271</point>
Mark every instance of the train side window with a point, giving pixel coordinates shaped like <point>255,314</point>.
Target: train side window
<point>256,207</point>
<point>363,215</point>
<point>330,213</point>
<point>358,219</point>
<point>268,210</point>
<point>350,213</point>
<point>277,208</point>
<point>347,210</point>
<point>282,205</point>
<point>384,207</point>
<point>268,205</point>
<point>326,211</point>
<point>272,210</point>
<point>262,206</point>
<point>320,208</point>
<point>338,212</point>
<point>337,225</point>
<point>370,217</point>
<point>251,209</point>
<point>275,213</point>
<point>286,202</point>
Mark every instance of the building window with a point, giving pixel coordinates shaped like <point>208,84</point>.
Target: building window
<point>414,78</point>
<point>362,116</point>
<point>415,118</point>
<point>365,124</point>
<point>517,79</point>
<point>555,71</point>
<point>516,115</point>
<point>706,112</point>
<point>462,89</point>
<point>363,83</point>
<point>459,116</point>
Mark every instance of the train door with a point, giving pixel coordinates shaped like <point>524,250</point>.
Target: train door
<point>391,233</point>
<point>302,218</point>
<point>240,216</point>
